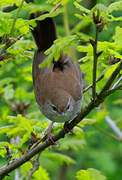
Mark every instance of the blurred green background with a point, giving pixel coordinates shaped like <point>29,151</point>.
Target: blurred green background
<point>92,145</point>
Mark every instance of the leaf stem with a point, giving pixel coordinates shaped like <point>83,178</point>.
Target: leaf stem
<point>15,18</point>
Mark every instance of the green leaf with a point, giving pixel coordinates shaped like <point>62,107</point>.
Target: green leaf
<point>55,50</point>
<point>118,36</point>
<point>61,158</point>
<point>9,94</point>
<point>83,175</point>
<point>22,26</point>
<point>81,8</point>
<point>115,6</point>
<point>86,121</point>
<point>96,175</point>
<point>72,144</point>
<point>110,70</point>
<point>44,16</point>
<point>99,116</point>
<point>41,173</point>
<point>9,2</point>
<point>90,174</point>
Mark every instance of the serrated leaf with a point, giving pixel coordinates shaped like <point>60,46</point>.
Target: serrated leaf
<point>41,173</point>
<point>115,6</point>
<point>96,175</point>
<point>83,175</point>
<point>44,16</point>
<point>90,174</point>
<point>61,158</point>
<point>81,8</point>
<point>110,70</point>
<point>118,36</point>
<point>86,121</point>
<point>72,144</point>
<point>54,51</point>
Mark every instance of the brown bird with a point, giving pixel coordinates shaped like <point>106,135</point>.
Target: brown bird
<point>58,88</point>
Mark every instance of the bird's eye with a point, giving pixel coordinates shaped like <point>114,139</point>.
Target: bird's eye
<point>68,107</point>
<point>54,108</point>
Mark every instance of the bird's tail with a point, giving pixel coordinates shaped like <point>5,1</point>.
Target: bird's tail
<point>44,33</point>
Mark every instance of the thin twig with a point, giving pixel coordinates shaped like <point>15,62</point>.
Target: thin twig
<point>113,90</point>
<point>15,18</point>
<point>17,171</point>
<point>116,84</point>
<point>91,85</point>
<point>113,125</point>
<point>54,9</point>
<point>95,57</point>
<point>35,164</point>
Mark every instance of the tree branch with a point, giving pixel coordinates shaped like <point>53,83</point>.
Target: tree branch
<point>41,147</point>
<point>95,64</point>
<point>98,28</point>
<point>116,88</point>
<point>35,164</point>
<point>9,43</point>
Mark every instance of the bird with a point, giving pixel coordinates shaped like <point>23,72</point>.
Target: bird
<point>59,88</point>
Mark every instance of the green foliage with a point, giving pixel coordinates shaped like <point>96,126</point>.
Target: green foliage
<point>9,2</point>
<point>19,114</point>
<point>55,50</point>
<point>90,174</point>
<point>44,16</point>
<point>118,36</point>
<point>83,174</point>
<point>81,8</point>
<point>59,157</point>
<point>74,144</point>
<point>5,22</point>
<point>115,6</point>
<point>41,173</point>
<point>100,116</point>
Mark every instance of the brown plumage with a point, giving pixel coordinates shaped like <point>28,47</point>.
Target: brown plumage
<point>60,84</point>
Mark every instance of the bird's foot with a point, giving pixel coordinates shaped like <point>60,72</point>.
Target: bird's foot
<point>66,128</point>
<point>49,134</point>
